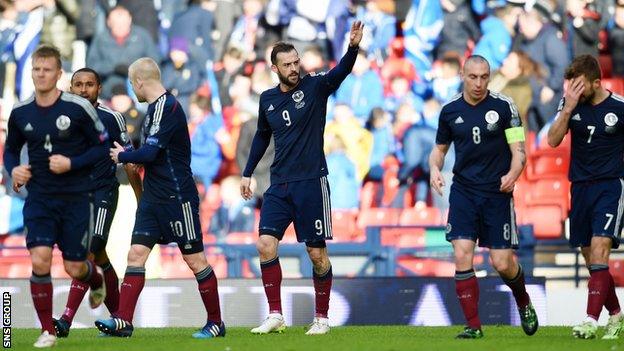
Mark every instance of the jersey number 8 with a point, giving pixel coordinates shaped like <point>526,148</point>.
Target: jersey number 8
<point>476,135</point>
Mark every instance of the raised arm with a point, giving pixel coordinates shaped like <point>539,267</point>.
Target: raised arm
<point>335,76</point>
<point>559,128</point>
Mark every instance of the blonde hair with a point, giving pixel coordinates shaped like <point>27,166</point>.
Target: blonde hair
<point>144,68</point>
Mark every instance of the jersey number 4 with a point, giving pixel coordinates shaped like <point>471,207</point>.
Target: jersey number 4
<point>48,143</point>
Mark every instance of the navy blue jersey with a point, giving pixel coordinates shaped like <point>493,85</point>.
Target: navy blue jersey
<point>105,169</point>
<point>296,119</point>
<point>169,176</point>
<point>69,127</point>
<point>482,155</point>
<point>597,140</point>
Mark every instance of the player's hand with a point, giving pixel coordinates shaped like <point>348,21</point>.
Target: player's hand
<point>573,94</point>
<point>59,164</point>
<point>357,29</point>
<point>436,181</point>
<point>245,188</point>
<point>21,175</point>
<point>114,152</point>
<point>508,183</point>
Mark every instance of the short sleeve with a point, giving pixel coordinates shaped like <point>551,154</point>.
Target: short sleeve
<point>163,127</point>
<point>514,119</point>
<point>444,135</point>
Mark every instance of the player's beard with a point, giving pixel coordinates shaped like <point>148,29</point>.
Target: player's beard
<point>284,80</point>
<point>589,97</point>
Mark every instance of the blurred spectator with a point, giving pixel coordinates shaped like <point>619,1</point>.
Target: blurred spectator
<point>459,27</point>
<point>113,50</point>
<point>362,89</point>
<point>381,28</point>
<point>542,42</point>
<point>196,24</point>
<point>584,24</point>
<point>404,118</point>
<point>421,29</point>
<point>497,29</point>
<point>180,74</point>
<point>122,103</point>
<point>383,142</point>
<point>343,182</point>
<point>235,213</point>
<point>10,22</point>
<point>244,33</point>
<point>397,65</point>
<point>616,40</point>
<point>205,128</point>
<point>431,113</point>
<point>228,11</point>
<point>59,26</point>
<point>447,81</point>
<point>401,93</point>
<point>514,80</point>
<point>243,147</point>
<point>144,15</point>
<point>232,64</point>
<point>358,141</point>
<point>417,142</point>
<point>312,60</point>
<point>91,19</point>
<point>304,21</point>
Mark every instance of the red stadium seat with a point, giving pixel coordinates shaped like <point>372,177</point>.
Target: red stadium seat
<point>546,220</point>
<point>548,165</point>
<point>344,227</point>
<point>378,217</point>
<point>555,191</point>
<point>606,65</point>
<point>423,216</point>
<point>522,195</point>
<point>616,268</point>
<point>367,195</point>
<point>403,237</point>
<point>616,85</point>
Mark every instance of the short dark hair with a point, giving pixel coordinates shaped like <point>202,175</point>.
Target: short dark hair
<point>48,51</point>
<point>88,70</point>
<point>279,47</point>
<point>584,65</point>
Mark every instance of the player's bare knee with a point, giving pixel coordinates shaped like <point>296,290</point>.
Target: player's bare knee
<point>74,269</point>
<point>463,258</point>
<point>599,255</point>
<point>502,265</point>
<point>138,255</point>
<point>196,262</point>
<point>40,265</point>
<point>267,247</point>
<point>318,256</point>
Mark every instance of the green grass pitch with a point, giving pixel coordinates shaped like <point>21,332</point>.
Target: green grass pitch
<point>373,338</point>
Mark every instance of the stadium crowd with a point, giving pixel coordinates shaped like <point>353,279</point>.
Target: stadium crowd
<point>381,121</point>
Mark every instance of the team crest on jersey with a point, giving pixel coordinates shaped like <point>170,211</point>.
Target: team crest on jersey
<point>297,96</point>
<point>491,117</point>
<point>63,122</point>
<point>610,119</point>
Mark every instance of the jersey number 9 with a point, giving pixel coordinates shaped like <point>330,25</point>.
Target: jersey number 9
<point>286,117</point>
